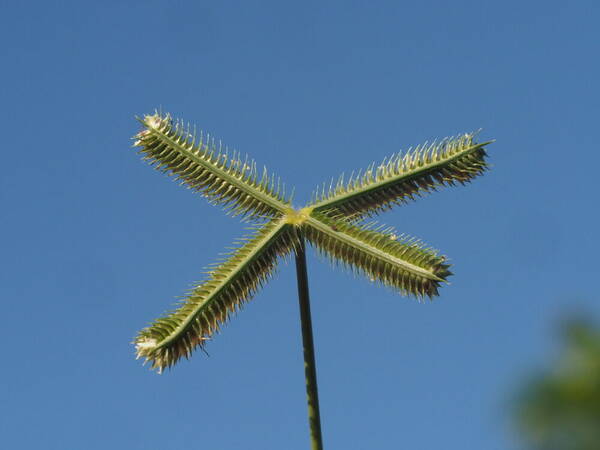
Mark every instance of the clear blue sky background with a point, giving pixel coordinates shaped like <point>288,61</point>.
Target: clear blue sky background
<point>95,244</point>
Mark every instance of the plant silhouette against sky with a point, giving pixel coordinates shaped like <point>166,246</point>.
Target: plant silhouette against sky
<point>334,223</point>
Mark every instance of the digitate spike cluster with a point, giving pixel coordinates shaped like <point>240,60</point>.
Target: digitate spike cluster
<point>332,224</point>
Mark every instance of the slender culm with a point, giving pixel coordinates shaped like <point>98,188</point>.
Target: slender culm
<point>310,367</point>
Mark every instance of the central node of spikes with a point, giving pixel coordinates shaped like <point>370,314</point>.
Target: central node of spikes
<point>297,216</point>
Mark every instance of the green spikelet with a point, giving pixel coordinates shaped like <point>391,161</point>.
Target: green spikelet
<point>401,178</point>
<point>210,304</point>
<point>405,265</point>
<point>225,179</point>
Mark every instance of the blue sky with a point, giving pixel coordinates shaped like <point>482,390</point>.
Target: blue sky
<point>95,244</point>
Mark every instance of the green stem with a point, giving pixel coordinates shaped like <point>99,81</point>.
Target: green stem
<point>310,369</point>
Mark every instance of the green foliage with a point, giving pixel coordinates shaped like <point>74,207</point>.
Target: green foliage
<point>560,409</point>
<point>332,224</point>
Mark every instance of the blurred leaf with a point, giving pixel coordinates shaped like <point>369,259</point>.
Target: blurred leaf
<point>560,408</point>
